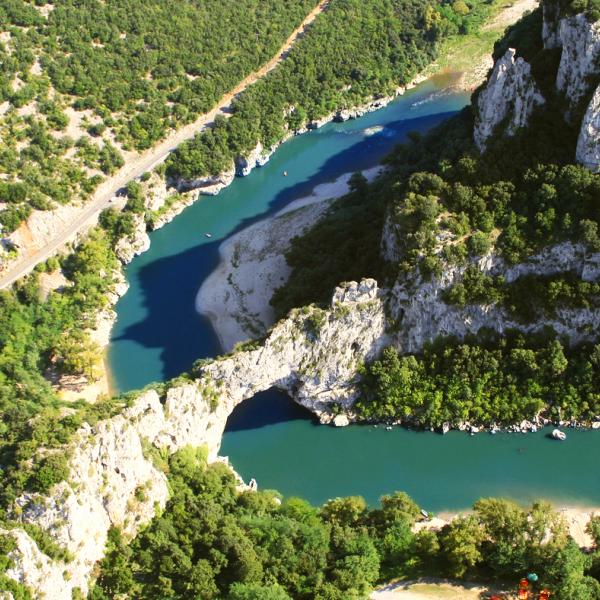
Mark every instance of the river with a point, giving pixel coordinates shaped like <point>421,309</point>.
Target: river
<point>158,335</point>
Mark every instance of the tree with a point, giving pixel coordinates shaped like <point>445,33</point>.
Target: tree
<point>461,545</point>
<point>358,183</point>
<point>244,591</point>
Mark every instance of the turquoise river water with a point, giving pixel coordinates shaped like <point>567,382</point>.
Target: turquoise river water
<point>158,335</point>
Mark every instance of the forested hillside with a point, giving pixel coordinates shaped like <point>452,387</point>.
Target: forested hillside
<point>212,542</point>
<point>356,51</point>
<point>81,82</point>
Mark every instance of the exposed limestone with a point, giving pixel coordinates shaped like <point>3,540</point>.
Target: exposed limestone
<point>588,143</point>
<point>422,315</point>
<point>176,207</point>
<point>155,192</point>
<point>580,42</point>
<point>210,185</point>
<point>133,244</point>
<point>50,282</point>
<point>258,157</point>
<point>313,354</point>
<point>511,94</point>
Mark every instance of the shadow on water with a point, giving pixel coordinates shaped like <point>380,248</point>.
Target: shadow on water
<point>267,408</point>
<point>168,285</point>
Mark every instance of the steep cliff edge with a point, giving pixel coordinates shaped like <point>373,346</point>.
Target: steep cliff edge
<point>509,97</point>
<point>511,94</point>
<point>588,143</point>
<point>313,355</point>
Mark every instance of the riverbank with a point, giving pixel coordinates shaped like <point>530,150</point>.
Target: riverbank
<point>260,157</point>
<point>235,297</point>
<point>576,519</point>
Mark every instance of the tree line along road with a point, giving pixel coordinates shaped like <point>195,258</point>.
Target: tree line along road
<point>146,161</point>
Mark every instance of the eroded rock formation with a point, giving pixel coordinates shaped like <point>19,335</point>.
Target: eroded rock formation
<point>313,355</point>
<point>510,95</point>
<point>588,143</point>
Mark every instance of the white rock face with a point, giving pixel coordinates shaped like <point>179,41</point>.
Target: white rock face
<point>588,143</point>
<point>209,186</point>
<point>510,93</point>
<point>550,25</point>
<point>423,315</point>
<point>257,158</point>
<point>580,42</point>
<point>155,192</point>
<point>313,354</point>
<point>129,247</point>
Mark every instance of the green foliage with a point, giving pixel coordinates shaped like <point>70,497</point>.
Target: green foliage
<point>38,337</point>
<point>212,542</point>
<point>499,381</point>
<point>136,70</point>
<point>343,246</point>
<point>354,51</point>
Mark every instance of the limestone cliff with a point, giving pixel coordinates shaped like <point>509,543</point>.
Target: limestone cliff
<point>258,157</point>
<point>313,355</point>
<point>588,143</point>
<point>580,42</point>
<point>210,185</point>
<point>510,96</point>
<point>421,314</point>
<point>135,243</point>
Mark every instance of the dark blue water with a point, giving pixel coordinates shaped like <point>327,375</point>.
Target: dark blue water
<point>158,335</point>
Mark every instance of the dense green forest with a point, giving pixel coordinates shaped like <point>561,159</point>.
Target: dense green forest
<point>521,195</point>
<point>211,542</point>
<point>482,381</point>
<point>356,50</point>
<point>80,81</point>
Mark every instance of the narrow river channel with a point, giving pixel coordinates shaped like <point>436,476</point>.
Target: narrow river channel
<point>158,335</point>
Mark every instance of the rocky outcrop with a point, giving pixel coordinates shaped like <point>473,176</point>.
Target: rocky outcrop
<point>509,96</point>
<point>258,157</point>
<point>422,314</point>
<point>313,354</point>
<point>588,143</point>
<point>133,244</point>
<point>580,41</point>
<point>210,185</point>
<point>155,192</point>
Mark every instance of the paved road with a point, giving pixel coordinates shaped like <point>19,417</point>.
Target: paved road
<point>146,161</point>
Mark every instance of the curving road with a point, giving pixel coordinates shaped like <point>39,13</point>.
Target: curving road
<point>146,161</point>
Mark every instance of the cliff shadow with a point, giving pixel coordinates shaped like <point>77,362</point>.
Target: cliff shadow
<point>267,408</point>
<point>167,286</point>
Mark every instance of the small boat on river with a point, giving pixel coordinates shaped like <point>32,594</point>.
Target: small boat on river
<point>557,434</point>
<point>208,235</point>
